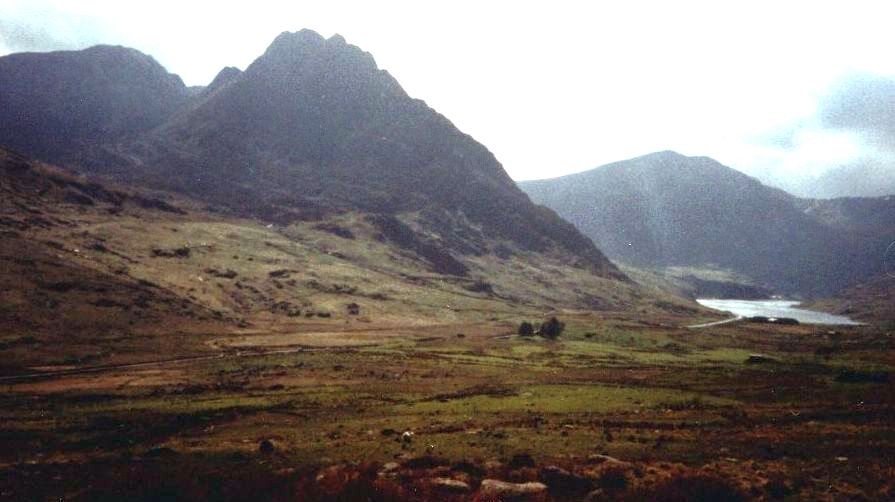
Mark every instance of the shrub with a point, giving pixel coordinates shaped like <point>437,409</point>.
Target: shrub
<point>526,329</point>
<point>552,328</point>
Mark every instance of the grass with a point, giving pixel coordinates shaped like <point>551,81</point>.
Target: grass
<point>626,380</point>
<point>561,399</point>
<point>645,393</point>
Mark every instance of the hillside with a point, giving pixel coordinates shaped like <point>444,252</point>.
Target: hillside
<point>311,128</point>
<point>869,301</point>
<point>665,209</point>
<point>128,273</point>
<point>291,359</point>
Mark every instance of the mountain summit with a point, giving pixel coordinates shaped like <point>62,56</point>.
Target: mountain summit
<point>670,210</point>
<point>313,127</point>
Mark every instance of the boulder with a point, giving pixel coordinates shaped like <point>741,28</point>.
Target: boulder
<point>598,458</point>
<point>389,470</point>
<point>563,482</point>
<point>503,490</point>
<point>449,485</point>
<point>759,359</point>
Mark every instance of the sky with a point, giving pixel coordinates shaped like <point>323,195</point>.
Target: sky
<point>789,92</point>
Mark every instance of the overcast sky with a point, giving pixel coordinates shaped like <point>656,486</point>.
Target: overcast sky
<point>783,90</point>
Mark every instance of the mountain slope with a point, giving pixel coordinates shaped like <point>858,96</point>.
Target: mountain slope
<point>110,273</point>
<point>870,300</point>
<point>314,127</point>
<point>665,209</point>
<point>54,105</point>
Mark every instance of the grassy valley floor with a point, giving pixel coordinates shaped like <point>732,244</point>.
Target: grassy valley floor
<point>617,407</point>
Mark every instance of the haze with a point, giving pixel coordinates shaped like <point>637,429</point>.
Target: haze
<point>789,93</point>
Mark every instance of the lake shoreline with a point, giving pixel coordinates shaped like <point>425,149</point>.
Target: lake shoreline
<point>775,308</point>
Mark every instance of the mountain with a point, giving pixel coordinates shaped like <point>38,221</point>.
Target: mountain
<point>100,272</point>
<point>669,210</point>
<point>313,127</point>
<point>862,217</point>
<point>54,105</point>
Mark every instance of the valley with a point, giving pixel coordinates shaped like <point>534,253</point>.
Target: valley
<point>299,283</point>
<point>172,349</point>
<point>666,401</point>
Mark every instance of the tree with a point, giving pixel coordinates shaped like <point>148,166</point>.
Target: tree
<point>526,329</point>
<point>552,328</point>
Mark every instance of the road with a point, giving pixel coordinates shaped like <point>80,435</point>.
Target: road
<point>715,323</point>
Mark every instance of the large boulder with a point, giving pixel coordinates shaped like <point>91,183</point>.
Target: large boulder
<point>502,490</point>
<point>448,485</point>
<point>563,482</point>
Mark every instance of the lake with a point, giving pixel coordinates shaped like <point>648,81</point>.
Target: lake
<point>775,308</point>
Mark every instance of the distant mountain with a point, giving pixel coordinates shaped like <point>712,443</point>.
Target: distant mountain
<point>668,210</point>
<point>859,216</point>
<point>310,128</point>
<point>54,105</point>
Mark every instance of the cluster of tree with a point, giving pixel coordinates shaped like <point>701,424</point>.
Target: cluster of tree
<point>551,328</point>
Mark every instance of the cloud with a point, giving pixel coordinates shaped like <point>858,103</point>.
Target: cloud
<point>846,146</point>
<point>864,103</point>
<point>20,37</point>
<point>37,28</point>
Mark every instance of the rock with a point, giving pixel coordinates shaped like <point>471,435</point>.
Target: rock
<point>563,482</point>
<point>223,274</point>
<point>759,359</point>
<point>181,252</point>
<point>449,485</point>
<point>493,464</point>
<point>503,489</point>
<point>390,466</point>
<point>600,459</point>
<point>267,447</point>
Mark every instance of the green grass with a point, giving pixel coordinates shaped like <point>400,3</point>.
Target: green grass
<point>561,399</point>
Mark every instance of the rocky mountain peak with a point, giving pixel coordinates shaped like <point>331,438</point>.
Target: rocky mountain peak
<point>224,77</point>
